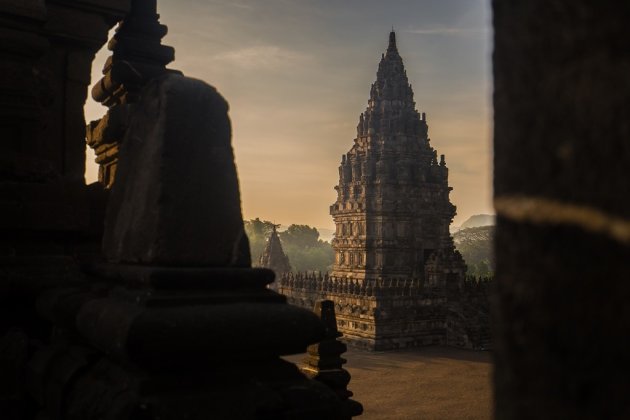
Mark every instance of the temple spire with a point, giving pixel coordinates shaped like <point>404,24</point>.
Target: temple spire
<point>392,41</point>
<point>273,256</point>
<point>391,107</point>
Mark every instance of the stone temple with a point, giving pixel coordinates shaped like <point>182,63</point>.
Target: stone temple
<point>273,257</point>
<point>397,280</point>
<point>392,211</point>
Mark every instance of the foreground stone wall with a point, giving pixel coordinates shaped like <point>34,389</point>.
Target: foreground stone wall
<point>561,102</point>
<point>50,221</point>
<point>163,321</point>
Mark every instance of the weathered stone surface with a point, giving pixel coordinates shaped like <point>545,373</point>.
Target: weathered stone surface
<point>191,332</point>
<point>32,9</point>
<point>562,101</point>
<point>392,210</point>
<point>244,391</point>
<point>399,313</point>
<point>180,131</point>
<point>396,276</point>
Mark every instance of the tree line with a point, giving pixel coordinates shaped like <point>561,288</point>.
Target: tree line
<point>308,253</point>
<point>301,244</point>
<point>475,244</point>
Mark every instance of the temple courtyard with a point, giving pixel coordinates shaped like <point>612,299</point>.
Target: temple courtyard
<point>432,383</point>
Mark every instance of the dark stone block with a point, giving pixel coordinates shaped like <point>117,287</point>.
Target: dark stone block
<point>177,192</point>
<point>176,336</point>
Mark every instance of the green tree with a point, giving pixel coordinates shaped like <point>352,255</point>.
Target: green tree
<point>475,245</point>
<point>305,250</point>
<point>300,243</point>
<point>301,236</point>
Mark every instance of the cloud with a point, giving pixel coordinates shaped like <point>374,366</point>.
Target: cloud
<point>446,30</point>
<point>263,57</point>
<point>244,6</point>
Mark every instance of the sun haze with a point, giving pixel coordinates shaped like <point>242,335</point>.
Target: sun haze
<point>297,75</point>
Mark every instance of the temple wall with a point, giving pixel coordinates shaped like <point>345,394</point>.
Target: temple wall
<point>397,314</point>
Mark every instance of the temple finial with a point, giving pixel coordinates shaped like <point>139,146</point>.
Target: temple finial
<point>392,40</point>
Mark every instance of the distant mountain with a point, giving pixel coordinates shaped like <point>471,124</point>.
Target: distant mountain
<point>475,245</point>
<point>479,220</point>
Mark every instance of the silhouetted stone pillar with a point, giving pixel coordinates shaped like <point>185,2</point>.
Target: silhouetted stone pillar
<point>49,219</point>
<point>184,304</point>
<point>562,153</point>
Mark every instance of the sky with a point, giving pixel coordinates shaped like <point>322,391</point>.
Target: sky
<point>297,75</point>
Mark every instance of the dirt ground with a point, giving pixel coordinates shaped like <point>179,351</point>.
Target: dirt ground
<point>433,383</point>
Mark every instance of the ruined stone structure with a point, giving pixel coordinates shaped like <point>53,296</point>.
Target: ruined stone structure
<point>132,298</point>
<point>273,256</point>
<point>397,280</point>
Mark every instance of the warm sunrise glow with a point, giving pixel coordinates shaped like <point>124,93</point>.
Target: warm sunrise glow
<point>297,75</point>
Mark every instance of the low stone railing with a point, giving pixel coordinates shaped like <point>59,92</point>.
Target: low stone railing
<point>474,284</point>
<point>318,283</point>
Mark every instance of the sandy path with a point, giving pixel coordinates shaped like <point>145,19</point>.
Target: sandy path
<point>434,383</point>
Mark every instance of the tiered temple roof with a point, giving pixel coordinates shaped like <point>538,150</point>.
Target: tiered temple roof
<point>397,280</point>
<point>391,107</point>
<point>393,208</point>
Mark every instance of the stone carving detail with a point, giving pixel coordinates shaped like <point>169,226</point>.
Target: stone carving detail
<point>398,313</point>
<point>179,130</point>
<point>137,57</point>
<point>390,219</point>
<point>397,278</point>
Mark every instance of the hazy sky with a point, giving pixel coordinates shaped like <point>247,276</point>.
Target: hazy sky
<point>297,74</point>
